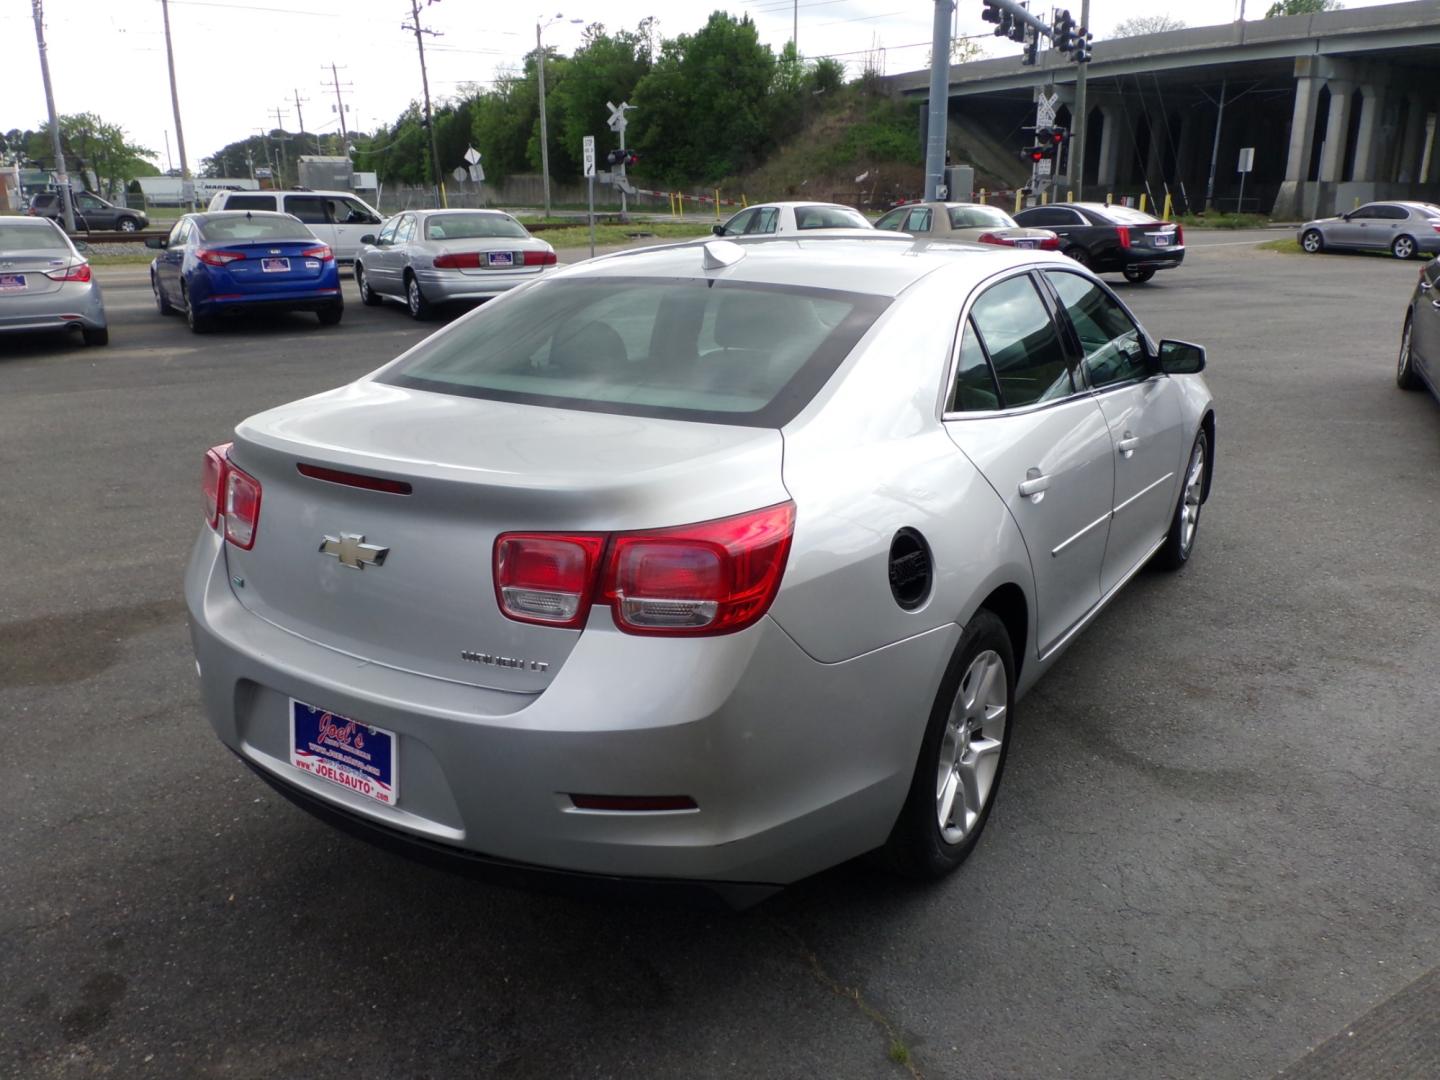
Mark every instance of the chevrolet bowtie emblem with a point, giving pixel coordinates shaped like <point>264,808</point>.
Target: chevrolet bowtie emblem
<point>352,551</point>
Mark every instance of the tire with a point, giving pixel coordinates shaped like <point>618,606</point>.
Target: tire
<point>1138,277</point>
<point>1405,376</point>
<point>128,224</point>
<point>983,670</point>
<point>161,304</point>
<point>1311,242</point>
<point>95,337</point>
<point>199,324</point>
<point>331,316</point>
<point>1185,524</point>
<point>415,302</point>
<point>368,296</point>
<point>1403,247</point>
<point>1080,255</point>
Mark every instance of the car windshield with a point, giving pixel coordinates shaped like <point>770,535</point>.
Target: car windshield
<point>474,227</point>
<point>980,217</point>
<point>720,352</point>
<point>829,217</point>
<point>254,227</point>
<point>36,237</point>
<point>1123,215</point>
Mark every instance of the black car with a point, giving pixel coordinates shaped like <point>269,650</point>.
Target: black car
<point>1111,239</point>
<point>91,212</point>
<point>1419,367</point>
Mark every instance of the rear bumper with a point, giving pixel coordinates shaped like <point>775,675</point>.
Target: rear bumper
<point>441,287</point>
<point>74,304</point>
<point>794,765</point>
<point>308,300</point>
<point>1151,258</point>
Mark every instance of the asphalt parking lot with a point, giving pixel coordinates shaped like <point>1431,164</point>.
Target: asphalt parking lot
<point>1215,851</point>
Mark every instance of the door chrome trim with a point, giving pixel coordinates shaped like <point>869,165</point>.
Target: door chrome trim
<point>1094,524</point>
<point>1142,491</point>
<point>1099,605</point>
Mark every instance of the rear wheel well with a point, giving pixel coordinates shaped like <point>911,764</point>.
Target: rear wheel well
<point>1011,608</point>
<point>1207,424</point>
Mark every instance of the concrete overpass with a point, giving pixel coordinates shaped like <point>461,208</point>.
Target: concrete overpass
<point>1339,106</point>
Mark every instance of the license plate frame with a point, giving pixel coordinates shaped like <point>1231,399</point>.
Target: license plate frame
<point>500,259</point>
<point>13,283</point>
<point>359,757</point>
<point>1161,239</point>
<point>273,265</point>
<point>1025,243</point>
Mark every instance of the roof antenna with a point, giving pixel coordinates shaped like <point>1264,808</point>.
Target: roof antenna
<point>718,254</point>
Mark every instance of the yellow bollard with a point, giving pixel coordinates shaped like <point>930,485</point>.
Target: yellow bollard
<point>680,200</point>
<point>1070,196</point>
<point>1169,207</point>
<point>717,204</point>
<point>982,196</point>
<point>1044,197</point>
<point>1109,198</point>
<point>1357,202</point>
<point>1142,202</point>
<point>743,201</point>
<point>1019,200</point>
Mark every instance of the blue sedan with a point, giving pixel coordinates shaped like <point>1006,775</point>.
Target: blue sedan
<point>240,260</point>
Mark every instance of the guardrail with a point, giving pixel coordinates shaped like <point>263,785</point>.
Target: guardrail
<point>111,236</point>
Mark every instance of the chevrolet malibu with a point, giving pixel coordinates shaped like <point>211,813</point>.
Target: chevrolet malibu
<point>716,563</point>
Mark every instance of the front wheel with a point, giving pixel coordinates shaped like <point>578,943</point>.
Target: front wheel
<point>1405,376</point>
<point>1180,540</point>
<point>1137,276</point>
<point>128,224</point>
<point>1403,247</point>
<point>962,756</point>
<point>1312,241</point>
<point>415,299</point>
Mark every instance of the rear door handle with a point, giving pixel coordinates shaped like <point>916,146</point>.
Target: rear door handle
<point>1034,485</point>
<point>1127,444</point>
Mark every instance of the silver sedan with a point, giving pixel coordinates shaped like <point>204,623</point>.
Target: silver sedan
<point>426,258</point>
<point>46,284</point>
<point>718,562</point>
<point>1401,228</point>
<point>966,221</point>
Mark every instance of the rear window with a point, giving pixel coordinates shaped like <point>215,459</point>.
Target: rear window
<point>474,227</point>
<point>1123,215</point>
<point>980,217</point>
<point>719,352</point>
<point>279,227</point>
<point>250,202</point>
<point>36,237</point>
<point>829,217</point>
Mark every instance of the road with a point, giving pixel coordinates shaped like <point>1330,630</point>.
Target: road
<point>1215,850</point>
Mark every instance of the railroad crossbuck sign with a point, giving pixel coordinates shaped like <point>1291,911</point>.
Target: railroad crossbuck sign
<point>1045,110</point>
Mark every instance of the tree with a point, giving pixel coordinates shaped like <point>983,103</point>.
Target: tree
<point>1138,25</point>
<point>90,143</point>
<point>606,67</point>
<point>1301,7</point>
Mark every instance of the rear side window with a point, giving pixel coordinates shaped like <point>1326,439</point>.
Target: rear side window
<point>250,202</point>
<point>308,208</point>
<point>975,389</point>
<point>245,227</point>
<point>680,349</point>
<point>1023,343</point>
<point>919,220</point>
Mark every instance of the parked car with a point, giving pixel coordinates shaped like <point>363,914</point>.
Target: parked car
<point>426,258</point>
<point>1111,239</point>
<point>966,221</point>
<point>338,218</point>
<point>1401,228</point>
<point>224,262</point>
<point>92,213</point>
<point>46,284</point>
<point>791,217</point>
<point>719,562</point>
<point>1419,365</point>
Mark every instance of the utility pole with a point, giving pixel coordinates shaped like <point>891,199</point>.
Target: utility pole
<point>425,82</point>
<point>1077,120</point>
<point>1215,148</point>
<point>544,135</point>
<point>300,119</point>
<point>280,127</point>
<point>340,107</point>
<point>61,176</point>
<point>795,29</point>
<point>186,187</point>
<point>939,101</point>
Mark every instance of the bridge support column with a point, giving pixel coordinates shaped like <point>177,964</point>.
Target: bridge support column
<point>1367,143</point>
<point>1110,138</point>
<point>1332,158</point>
<point>1410,141</point>
<point>1427,156</point>
<point>1302,141</point>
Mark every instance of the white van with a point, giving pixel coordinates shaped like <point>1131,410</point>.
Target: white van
<point>336,217</point>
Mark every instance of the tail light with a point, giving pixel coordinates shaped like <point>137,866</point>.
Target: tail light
<point>1180,235</point>
<point>539,258</point>
<point>216,257</point>
<point>1050,243</point>
<point>78,272</point>
<point>458,260</point>
<point>321,252</point>
<point>991,238</point>
<point>715,577</point>
<point>1122,232</point>
<point>232,497</point>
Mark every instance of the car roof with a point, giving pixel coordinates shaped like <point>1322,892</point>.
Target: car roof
<point>459,210</point>
<point>286,191</point>
<point>881,263</point>
<point>804,202</point>
<point>211,215</point>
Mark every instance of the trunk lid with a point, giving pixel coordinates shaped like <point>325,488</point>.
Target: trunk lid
<point>22,273</point>
<point>270,265</point>
<point>476,468</point>
<point>492,253</point>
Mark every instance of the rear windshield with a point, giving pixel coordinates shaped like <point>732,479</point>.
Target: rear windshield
<point>829,217</point>
<point>1123,215</point>
<point>720,352</point>
<point>250,202</point>
<point>474,227</point>
<point>37,237</point>
<point>280,227</point>
<point>980,217</point>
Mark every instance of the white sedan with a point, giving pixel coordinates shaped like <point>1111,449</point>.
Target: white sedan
<point>792,217</point>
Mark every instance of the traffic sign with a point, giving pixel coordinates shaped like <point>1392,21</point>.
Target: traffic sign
<point>1042,167</point>
<point>1045,109</point>
<point>1247,160</point>
<point>589,145</point>
<point>459,175</point>
<point>472,156</point>
<point>617,121</point>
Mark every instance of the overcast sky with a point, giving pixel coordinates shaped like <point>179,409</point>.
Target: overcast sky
<point>236,62</point>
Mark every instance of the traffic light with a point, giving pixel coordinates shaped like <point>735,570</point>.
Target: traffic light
<point>1063,33</point>
<point>1057,137</point>
<point>1038,153</point>
<point>1032,50</point>
<point>621,157</point>
<point>1081,55</point>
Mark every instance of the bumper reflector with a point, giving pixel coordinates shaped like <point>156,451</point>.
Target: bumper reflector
<point>634,804</point>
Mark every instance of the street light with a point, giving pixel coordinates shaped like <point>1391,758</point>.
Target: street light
<point>544,135</point>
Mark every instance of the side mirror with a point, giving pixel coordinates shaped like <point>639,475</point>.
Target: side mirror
<point>157,242</point>
<point>1181,358</point>
<point>718,230</point>
<point>368,238</point>
<point>1345,216</point>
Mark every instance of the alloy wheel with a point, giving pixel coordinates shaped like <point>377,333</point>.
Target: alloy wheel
<point>413,297</point>
<point>364,286</point>
<point>1311,241</point>
<point>970,747</point>
<point>1403,248</point>
<point>128,225</point>
<point>1190,506</point>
